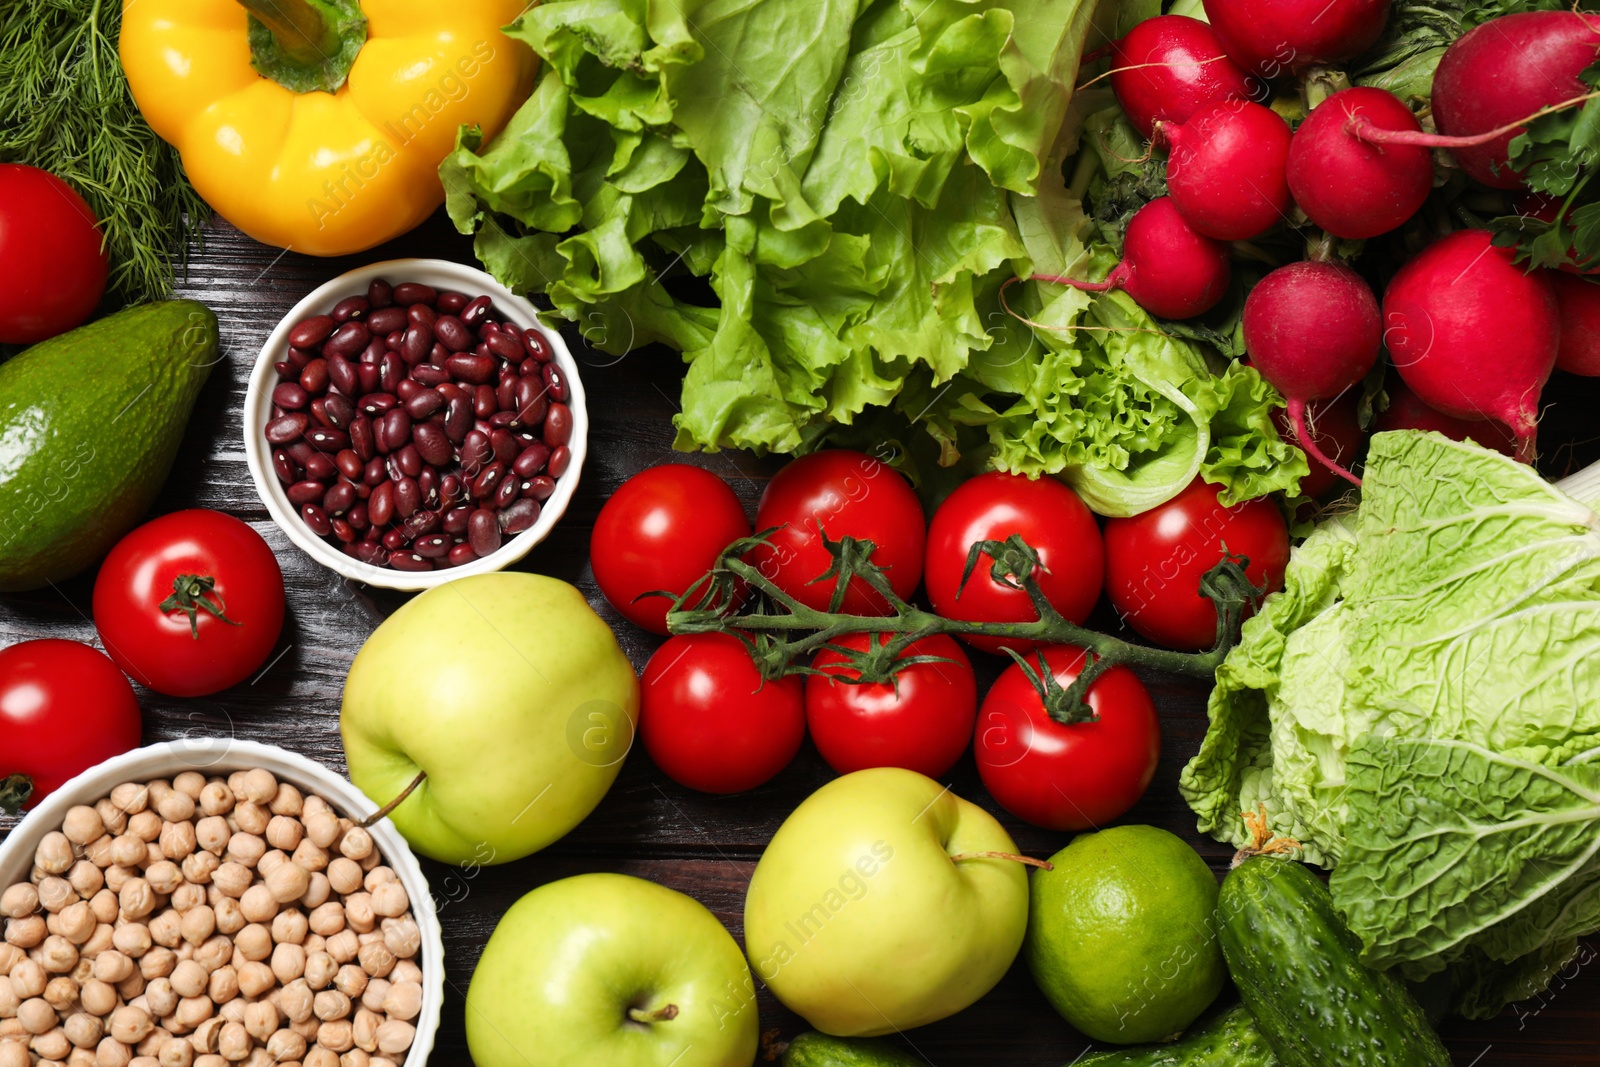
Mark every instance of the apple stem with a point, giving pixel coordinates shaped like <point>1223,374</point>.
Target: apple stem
<point>1043,865</point>
<point>384,811</point>
<point>660,1015</point>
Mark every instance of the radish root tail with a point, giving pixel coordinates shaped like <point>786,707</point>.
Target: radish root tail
<point>1297,417</point>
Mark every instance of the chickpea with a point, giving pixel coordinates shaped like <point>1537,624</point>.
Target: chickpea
<point>26,932</point>
<point>112,966</point>
<point>57,955</point>
<point>356,844</point>
<point>127,850</point>
<point>176,1052</point>
<point>290,926</point>
<point>284,832</point>
<point>214,953</point>
<point>212,834</point>
<point>137,899</point>
<point>161,999</point>
<point>104,906</point>
<point>390,900</point>
<point>260,1020</point>
<point>376,959</point>
<point>232,879</point>
<point>178,839</point>
<point>77,923</point>
<point>9,1001</point>
<point>198,867</point>
<point>311,856</point>
<point>328,919</point>
<point>166,929</point>
<point>118,876</point>
<point>259,786</point>
<point>52,1046</point>
<point>246,849</point>
<point>54,853</point>
<point>28,979</point>
<point>230,916</point>
<point>224,984</point>
<point>159,962</point>
<point>344,875</point>
<point>286,1045</point>
<point>130,1025</point>
<point>320,969</point>
<point>295,1000</point>
<point>314,943</point>
<point>130,798</point>
<point>112,1053</point>
<point>288,883</point>
<point>336,1035</point>
<point>256,979</point>
<point>320,1057</point>
<point>10,956</point>
<point>350,980</point>
<point>199,923</point>
<point>131,986</point>
<point>288,962</point>
<point>251,818</point>
<point>36,1015</point>
<point>356,1057</point>
<point>322,828</point>
<point>132,939</point>
<point>330,1004</point>
<point>270,861</point>
<point>19,901</point>
<point>145,825</point>
<point>364,1029</point>
<point>97,997</point>
<point>56,893</point>
<point>84,1030</point>
<point>190,784</point>
<point>194,1011</point>
<point>82,824</point>
<point>359,913</point>
<point>15,1054</point>
<point>61,993</point>
<point>216,799</point>
<point>258,905</point>
<point>344,945</point>
<point>318,892</point>
<point>176,806</point>
<point>86,879</point>
<point>189,978</point>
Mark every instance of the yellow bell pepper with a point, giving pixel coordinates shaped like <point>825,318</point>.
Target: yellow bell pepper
<point>338,150</point>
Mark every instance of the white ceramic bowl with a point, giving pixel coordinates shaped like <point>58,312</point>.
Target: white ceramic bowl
<point>219,756</point>
<point>440,274</point>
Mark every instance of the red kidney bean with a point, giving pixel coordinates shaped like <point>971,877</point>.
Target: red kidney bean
<point>558,426</point>
<point>428,482</point>
<point>387,320</point>
<point>408,389</point>
<point>505,394</point>
<point>531,460</point>
<point>450,489</point>
<point>342,376</point>
<point>306,492</point>
<point>488,480</point>
<point>422,521</point>
<point>347,340</point>
<point>393,540</point>
<point>454,520</point>
<point>287,372</point>
<point>481,349</point>
<point>380,506</point>
<point>367,378</point>
<point>318,409</point>
<point>339,411</point>
<point>301,452</point>
<point>367,552</point>
<point>483,532</point>
<point>533,401</point>
<point>424,402</point>
<point>287,470</point>
<point>380,294</point>
<point>395,429</point>
<point>409,460</point>
<point>431,443</point>
<point>392,371</point>
<point>290,396</point>
<point>475,452</point>
<point>312,331</point>
<point>351,307</point>
<point>391,466</point>
<point>349,464</point>
<point>339,498</point>
<point>474,369</point>
<point>539,487</point>
<point>505,346</point>
<point>432,546</point>
<point>414,293</point>
<point>560,459</point>
<point>376,472</point>
<point>438,355</point>
<point>531,368</point>
<point>376,349</point>
<point>409,561</point>
<point>476,311</point>
<point>343,531</point>
<point>460,554</point>
<point>503,419</point>
<point>484,402</point>
<point>452,334</point>
<point>451,303</point>
<point>286,428</point>
<point>519,516</point>
<point>407,497</point>
<point>320,467</point>
<point>357,516</point>
<point>428,374</point>
<point>556,380</point>
<point>507,491</point>
<point>394,341</point>
<point>314,377</point>
<point>538,348</point>
<point>504,445</point>
<point>424,316</point>
<point>418,341</point>
<point>327,439</point>
<point>300,357</point>
<point>361,438</point>
<point>317,519</point>
<point>458,419</point>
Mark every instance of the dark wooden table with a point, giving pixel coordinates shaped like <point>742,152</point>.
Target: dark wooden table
<point>648,825</point>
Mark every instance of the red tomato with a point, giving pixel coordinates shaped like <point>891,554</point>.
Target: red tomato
<point>1155,560</point>
<point>210,561</point>
<point>992,507</point>
<point>921,721</point>
<point>662,530</point>
<point>52,265</point>
<point>64,707</point>
<point>839,492</point>
<point>1067,776</point>
<point>1336,429</point>
<point>709,720</point>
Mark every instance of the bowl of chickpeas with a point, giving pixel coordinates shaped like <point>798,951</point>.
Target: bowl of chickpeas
<point>213,903</point>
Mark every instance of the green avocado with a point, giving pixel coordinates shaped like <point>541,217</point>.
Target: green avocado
<point>90,422</point>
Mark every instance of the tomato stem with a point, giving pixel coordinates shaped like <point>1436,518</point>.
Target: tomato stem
<point>14,792</point>
<point>192,594</point>
<point>781,634</point>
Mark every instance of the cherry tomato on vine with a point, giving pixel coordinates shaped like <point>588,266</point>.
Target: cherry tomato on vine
<point>991,507</point>
<point>921,720</point>
<point>1067,776</point>
<point>64,707</point>
<point>190,603</point>
<point>1155,560</point>
<point>662,530</point>
<point>709,720</point>
<point>839,492</point>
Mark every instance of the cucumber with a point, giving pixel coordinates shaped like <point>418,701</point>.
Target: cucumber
<point>812,1049</point>
<point>1231,1039</point>
<point>1298,968</point>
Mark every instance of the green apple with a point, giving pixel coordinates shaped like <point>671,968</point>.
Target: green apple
<point>609,969</point>
<point>879,905</point>
<point>514,698</point>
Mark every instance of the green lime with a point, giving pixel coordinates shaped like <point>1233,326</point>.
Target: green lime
<point>1122,934</point>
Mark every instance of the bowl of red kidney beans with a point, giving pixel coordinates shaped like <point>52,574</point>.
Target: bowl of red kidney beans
<point>411,422</point>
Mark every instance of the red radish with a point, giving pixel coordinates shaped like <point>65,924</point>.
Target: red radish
<point>1277,37</point>
<point>1472,334</point>
<point>1312,330</point>
<point>1169,270</point>
<point>1502,72</point>
<point>1225,169</point>
<point>1347,184</point>
<point>1169,67</point>
<point>1578,299</point>
<point>1336,429</point>
<point>1407,412</point>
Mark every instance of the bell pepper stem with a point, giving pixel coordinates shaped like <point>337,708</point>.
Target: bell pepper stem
<point>303,29</point>
<point>305,45</point>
